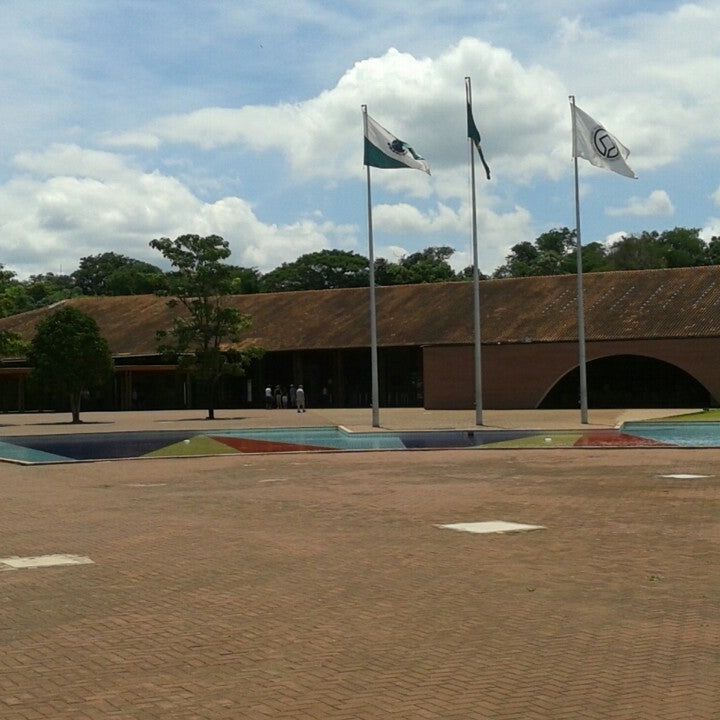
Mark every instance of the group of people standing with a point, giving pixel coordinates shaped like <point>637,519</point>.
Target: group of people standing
<point>279,398</point>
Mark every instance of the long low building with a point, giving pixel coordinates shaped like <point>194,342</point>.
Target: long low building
<point>652,340</point>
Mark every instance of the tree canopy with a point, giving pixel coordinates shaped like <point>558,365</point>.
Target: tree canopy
<point>318,271</point>
<point>551,253</point>
<point>113,274</point>
<point>69,355</point>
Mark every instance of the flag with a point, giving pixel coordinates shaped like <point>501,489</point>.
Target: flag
<point>384,150</point>
<point>474,135</point>
<point>596,145</point>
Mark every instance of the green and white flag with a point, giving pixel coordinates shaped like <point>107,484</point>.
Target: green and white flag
<point>384,150</point>
<point>596,145</point>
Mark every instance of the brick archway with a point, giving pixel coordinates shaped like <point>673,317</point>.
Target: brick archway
<point>629,381</point>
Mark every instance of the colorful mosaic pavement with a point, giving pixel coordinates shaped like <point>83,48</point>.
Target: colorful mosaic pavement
<point>105,446</point>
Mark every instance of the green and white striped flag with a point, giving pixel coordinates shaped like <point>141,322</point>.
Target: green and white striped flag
<point>384,150</point>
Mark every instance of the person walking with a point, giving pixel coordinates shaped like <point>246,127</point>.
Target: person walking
<point>300,398</point>
<point>268,398</point>
<point>293,396</point>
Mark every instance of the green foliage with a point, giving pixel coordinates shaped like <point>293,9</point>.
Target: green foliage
<point>428,266</point>
<point>712,251</point>
<point>113,274</point>
<point>203,333</point>
<point>244,281</point>
<point>318,271</point>
<point>552,253</point>
<point>12,345</point>
<point>69,355</point>
<point>38,291</point>
<point>637,252</point>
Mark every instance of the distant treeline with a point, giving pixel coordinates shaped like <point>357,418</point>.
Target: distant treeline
<point>552,253</point>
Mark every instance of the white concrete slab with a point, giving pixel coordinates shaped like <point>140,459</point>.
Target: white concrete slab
<point>18,563</point>
<point>491,526</point>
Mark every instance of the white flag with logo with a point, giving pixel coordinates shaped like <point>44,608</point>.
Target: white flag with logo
<point>596,145</point>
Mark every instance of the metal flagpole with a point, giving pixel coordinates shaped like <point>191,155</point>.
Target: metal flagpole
<point>580,302</point>
<point>476,275</point>
<point>373,315</point>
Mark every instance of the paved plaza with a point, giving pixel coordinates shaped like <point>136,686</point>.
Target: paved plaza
<point>297,586</point>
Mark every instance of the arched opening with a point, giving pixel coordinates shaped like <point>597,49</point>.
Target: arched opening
<point>629,381</point>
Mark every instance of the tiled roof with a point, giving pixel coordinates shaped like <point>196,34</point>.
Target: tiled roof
<point>683,302</point>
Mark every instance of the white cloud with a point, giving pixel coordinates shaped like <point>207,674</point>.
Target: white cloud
<point>497,232</point>
<point>658,203</point>
<point>520,112</point>
<point>615,237</point>
<point>651,77</point>
<point>102,203</point>
<point>711,229</point>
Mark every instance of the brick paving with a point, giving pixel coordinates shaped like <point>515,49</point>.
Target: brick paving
<point>319,587</point>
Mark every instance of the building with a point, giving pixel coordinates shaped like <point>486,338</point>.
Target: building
<point>653,340</point>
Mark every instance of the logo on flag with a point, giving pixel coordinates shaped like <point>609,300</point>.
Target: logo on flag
<point>604,144</point>
<point>384,150</point>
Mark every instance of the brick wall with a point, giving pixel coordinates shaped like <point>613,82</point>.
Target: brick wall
<point>519,376</point>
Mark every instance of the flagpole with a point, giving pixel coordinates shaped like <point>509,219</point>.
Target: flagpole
<point>580,303</point>
<point>373,315</point>
<point>476,275</point>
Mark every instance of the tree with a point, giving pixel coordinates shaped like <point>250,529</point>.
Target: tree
<point>12,345</point>
<point>637,252</point>
<point>318,271</point>
<point>113,274</point>
<point>521,262</point>
<point>201,337</point>
<point>594,258</point>
<point>552,253</point>
<point>683,247</point>
<point>244,281</point>
<point>712,252</point>
<point>69,355</point>
<point>429,266</point>
<point>467,273</point>
<point>49,288</point>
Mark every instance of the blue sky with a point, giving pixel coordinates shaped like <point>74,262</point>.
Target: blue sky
<point>129,120</point>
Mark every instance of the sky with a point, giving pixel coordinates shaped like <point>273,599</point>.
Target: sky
<point>128,120</point>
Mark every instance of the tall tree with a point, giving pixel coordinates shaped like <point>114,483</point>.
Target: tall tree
<point>637,252</point>
<point>113,274</point>
<point>244,281</point>
<point>202,335</point>
<point>683,247</point>
<point>69,356</point>
<point>49,288</point>
<point>712,251</point>
<point>318,271</point>
<point>520,262</point>
<point>428,266</point>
